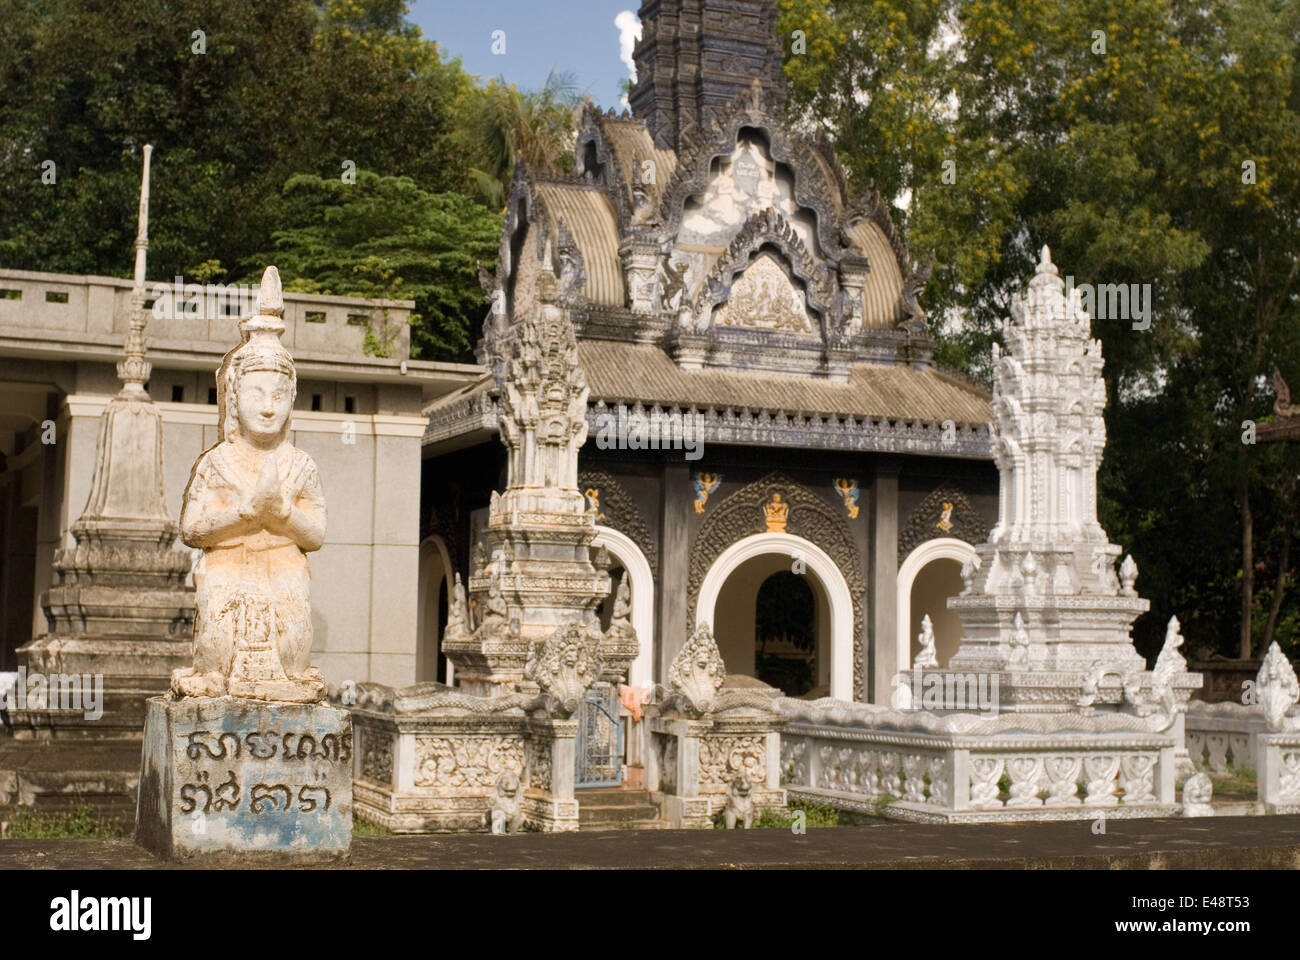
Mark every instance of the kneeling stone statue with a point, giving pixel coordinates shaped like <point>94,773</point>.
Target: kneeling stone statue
<point>244,758</point>
<point>254,505</point>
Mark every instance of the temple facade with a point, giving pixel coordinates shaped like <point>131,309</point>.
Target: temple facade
<point>771,448</point>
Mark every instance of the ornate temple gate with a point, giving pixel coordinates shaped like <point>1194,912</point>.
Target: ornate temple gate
<point>600,739</point>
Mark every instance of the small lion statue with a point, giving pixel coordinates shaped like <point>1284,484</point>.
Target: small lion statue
<point>1197,792</point>
<point>740,803</point>
<point>505,815</point>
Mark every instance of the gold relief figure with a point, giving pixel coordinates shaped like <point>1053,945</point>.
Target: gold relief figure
<point>705,484</point>
<point>593,501</point>
<point>775,514</point>
<point>849,491</point>
<point>945,519</point>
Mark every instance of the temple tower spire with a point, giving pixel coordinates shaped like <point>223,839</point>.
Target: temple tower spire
<point>696,56</point>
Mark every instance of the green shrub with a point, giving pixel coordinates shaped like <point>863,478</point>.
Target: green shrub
<point>367,828</point>
<point>815,815</point>
<point>78,823</point>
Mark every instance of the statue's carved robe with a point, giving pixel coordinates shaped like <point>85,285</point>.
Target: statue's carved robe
<point>258,562</point>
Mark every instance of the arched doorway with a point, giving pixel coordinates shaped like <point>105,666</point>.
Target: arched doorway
<point>435,586</point>
<point>729,598</point>
<point>927,578</point>
<point>628,557</point>
<point>790,635</point>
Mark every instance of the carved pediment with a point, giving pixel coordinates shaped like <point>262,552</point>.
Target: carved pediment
<point>767,235</point>
<point>817,185</point>
<point>741,185</point>
<point>765,297</point>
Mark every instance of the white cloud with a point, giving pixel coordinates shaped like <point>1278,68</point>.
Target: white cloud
<point>629,32</point>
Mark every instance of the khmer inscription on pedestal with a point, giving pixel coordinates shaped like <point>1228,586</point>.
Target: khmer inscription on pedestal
<point>239,777</point>
<point>244,757</point>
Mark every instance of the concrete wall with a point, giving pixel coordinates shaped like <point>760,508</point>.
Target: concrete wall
<point>89,307</point>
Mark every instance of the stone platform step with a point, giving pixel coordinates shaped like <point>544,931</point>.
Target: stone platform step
<point>57,776</point>
<point>617,808</point>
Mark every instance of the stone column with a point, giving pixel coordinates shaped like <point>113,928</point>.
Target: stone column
<point>882,658</point>
<point>674,566</point>
<point>772,745</point>
<point>550,807</point>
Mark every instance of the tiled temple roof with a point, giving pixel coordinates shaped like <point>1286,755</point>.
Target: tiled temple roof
<point>631,372</point>
<point>882,295</point>
<point>631,144</point>
<point>880,407</point>
<point>589,216</point>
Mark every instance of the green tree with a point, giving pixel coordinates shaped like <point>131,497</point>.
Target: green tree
<point>1118,132</point>
<point>510,125</point>
<point>264,92</point>
<point>386,237</point>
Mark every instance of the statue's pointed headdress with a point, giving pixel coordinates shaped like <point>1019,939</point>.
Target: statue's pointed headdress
<point>259,349</point>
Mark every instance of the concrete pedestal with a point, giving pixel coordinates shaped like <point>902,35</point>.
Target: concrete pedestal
<point>232,780</point>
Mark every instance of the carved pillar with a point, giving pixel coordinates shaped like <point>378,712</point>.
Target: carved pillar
<point>538,577</point>
<point>883,656</point>
<point>675,546</point>
<point>640,260</point>
<point>853,281</point>
<point>847,317</point>
<point>554,810</point>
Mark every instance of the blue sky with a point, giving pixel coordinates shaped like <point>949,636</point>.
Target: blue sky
<point>578,36</point>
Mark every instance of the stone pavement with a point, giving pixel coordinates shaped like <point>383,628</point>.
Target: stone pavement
<point>1210,843</point>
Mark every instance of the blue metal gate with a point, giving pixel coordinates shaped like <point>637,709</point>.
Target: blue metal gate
<point>600,739</point>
